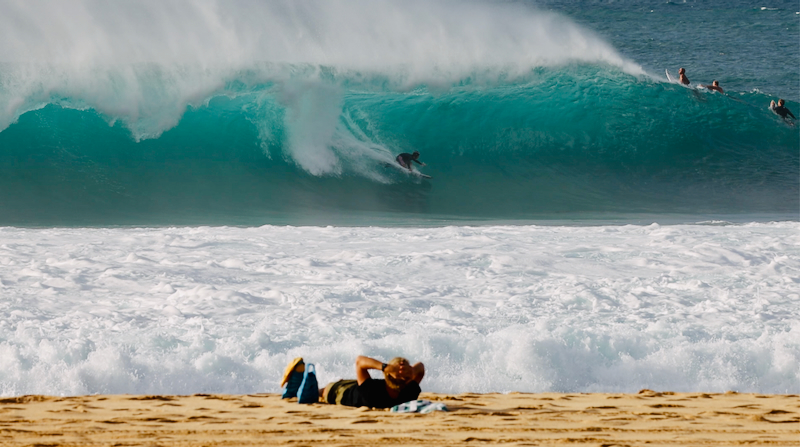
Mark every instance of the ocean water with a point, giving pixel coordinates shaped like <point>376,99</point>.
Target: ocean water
<point>193,193</point>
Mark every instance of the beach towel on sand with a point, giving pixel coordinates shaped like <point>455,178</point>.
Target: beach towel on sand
<point>419,406</point>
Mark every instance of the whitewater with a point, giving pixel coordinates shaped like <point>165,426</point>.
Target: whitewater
<point>499,308</point>
<point>194,193</point>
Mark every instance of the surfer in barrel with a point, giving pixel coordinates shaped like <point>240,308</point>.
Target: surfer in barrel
<point>781,110</point>
<point>405,160</point>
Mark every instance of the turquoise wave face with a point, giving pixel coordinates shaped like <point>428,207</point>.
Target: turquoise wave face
<point>574,142</point>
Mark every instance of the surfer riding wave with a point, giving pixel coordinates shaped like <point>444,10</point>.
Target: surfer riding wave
<point>405,160</point>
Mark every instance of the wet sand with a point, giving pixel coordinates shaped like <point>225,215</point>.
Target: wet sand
<point>647,418</point>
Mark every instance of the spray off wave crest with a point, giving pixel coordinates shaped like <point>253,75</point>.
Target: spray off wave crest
<point>144,62</point>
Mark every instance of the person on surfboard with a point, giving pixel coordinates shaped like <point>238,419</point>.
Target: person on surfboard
<point>780,109</point>
<point>405,160</point>
<point>683,79</point>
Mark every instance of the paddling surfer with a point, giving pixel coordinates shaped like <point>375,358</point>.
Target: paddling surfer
<point>714,86</point>
<point>780,109</point>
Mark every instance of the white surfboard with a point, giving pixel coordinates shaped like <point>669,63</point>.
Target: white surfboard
<point>402,169</point>
<point>670,78</point>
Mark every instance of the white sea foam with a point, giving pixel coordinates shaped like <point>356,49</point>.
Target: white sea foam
<point>526,308</point>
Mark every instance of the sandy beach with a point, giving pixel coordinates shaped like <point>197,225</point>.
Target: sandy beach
<point>647,418</point>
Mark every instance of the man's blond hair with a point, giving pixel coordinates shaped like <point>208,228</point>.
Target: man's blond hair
<point>397,383</point>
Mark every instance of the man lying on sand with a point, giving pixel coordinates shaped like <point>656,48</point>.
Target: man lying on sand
<point>399,385</point>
